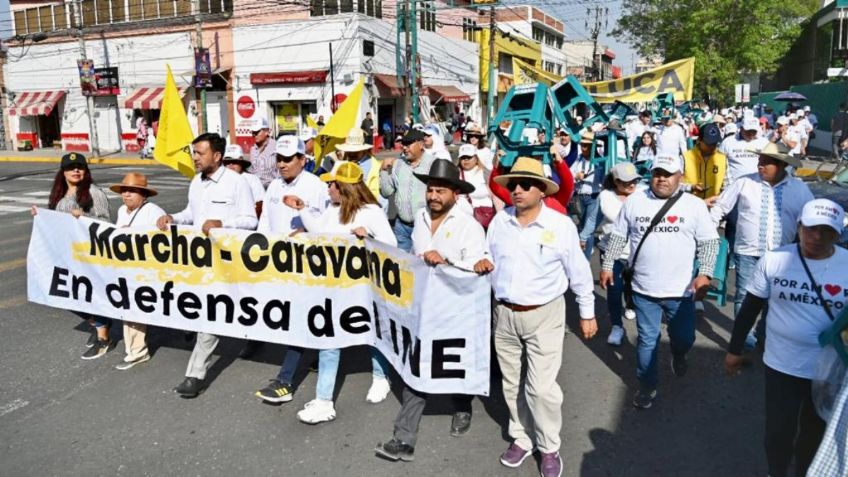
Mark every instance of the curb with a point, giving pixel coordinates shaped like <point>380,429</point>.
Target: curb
<point>93,161</point>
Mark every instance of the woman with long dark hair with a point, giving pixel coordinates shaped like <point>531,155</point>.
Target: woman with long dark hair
<point>353,210</point>
<point>74,192</point>
<point>646,151</point>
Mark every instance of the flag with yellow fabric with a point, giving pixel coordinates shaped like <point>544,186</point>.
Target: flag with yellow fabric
<point>340,124</point>
<point>173,141</point>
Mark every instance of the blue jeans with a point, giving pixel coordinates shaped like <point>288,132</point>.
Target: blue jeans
<point>403,234</point>
<point>745,267</point>
<point>588,221</point>
<point>680,315</point>
<point>615,292</point>
<point>328,367</point>
<point>289,366</point>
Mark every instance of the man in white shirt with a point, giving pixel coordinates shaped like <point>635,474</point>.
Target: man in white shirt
<point>217,198</point>
<point>234,159</point>
<point>537,257</point>
<point>294,189</point>
<point>671,138</point>
<point>795,137</point>
<point>443,235</point>
<point>741,151</point>
<point>768,204</point>
<point>663,267</point>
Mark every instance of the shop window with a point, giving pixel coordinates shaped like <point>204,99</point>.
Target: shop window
<point>427,16</point>
<point>469,28</point>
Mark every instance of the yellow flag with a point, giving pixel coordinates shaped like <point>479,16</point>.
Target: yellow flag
<point>336,129</point>
<point>173,141</point>
<point>311,123</point>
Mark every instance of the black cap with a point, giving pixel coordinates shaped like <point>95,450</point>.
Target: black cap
<point>72,159</point>
<point>710,134</point>
<point>412,136</point>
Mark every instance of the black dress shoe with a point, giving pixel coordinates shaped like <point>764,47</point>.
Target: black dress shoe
<point>460,423</point>
<point>189,388</point>
<point>249,349</point>
<point>396,450</point>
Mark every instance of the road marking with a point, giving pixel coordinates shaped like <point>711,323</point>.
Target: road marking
<point>12,264</point>
<point>13,302</point>
<point>19,239</point>
<point>23,200</point>
<point>40,193</point>
<point>12,406</point>
<point>13,208</point>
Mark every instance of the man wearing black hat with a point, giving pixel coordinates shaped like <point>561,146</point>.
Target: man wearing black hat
<point>442,235</point>
<point>404,191</point>
<point>704,167</point>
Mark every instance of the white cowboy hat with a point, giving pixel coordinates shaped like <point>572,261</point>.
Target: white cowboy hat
<point>354,142</point>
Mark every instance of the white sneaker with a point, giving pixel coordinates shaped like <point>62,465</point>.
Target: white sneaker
<point>379,390</point>
<point>629,314</point>
<point>317,411</point>
<point>616,336</point>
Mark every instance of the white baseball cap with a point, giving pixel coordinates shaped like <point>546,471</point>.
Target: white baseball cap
<point>731,128</point>
<point>467,150</point>
<point>259,124</point>
<point>233,151</point>
<point>669,164</point>
<point>442,154</point>
<point>432,130</point>
<point>625,172</point>
<point>290,145</point>
<point>800,113</point>
<point>823,212</point>
<point>307,134</point>
<point>807,108</point>
<point>792,116</point>
<point>750,124</point>
<point>782,121</point>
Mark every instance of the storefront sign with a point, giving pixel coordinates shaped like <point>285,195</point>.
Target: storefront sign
<point>107,82</point>
<point>202,68</point>
<point>290,77</point>
<point>245,107</point>
<point>88,81</point>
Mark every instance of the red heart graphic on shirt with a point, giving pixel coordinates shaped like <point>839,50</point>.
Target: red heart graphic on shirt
<point>833,289</point>
<point>672,219</point>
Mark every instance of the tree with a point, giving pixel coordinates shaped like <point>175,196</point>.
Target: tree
<point>726,37</point>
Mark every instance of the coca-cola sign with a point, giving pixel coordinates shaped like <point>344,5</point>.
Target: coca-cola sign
<point>245,107</point>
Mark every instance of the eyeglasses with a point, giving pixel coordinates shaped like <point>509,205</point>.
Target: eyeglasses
<point>285,159</point>
<point>525,184</point>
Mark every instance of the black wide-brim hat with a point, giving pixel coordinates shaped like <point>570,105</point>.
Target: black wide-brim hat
<point>447,172</point>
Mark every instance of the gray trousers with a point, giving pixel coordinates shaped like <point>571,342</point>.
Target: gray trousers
<point>201,356</point>
<point>409,416</point>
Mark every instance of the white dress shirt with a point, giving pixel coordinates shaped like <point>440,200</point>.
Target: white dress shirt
<point>144,216</point>
<point>257,190</point>
<point>371,217</point>
<point>536,264</point>
<point>746,193</point>
<point>224,196</point>
<point>460,239</point>
<point>277,216</point>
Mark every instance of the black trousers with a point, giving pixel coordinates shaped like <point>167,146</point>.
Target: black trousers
<point>793,429</point>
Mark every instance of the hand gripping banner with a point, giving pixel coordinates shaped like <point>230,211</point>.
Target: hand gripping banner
<point>313,291</point>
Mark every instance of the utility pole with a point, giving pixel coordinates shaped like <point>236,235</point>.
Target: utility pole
<point>198,31</point>
<point>407,71</point>
<point>601,17</point>
<point>490,100</point>
<point>413,65</point>
<point>95,143</point>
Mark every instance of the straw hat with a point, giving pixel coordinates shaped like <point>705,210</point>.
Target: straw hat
<point>588,137</point>
<point>779,152</point>
<point>354,142</point>
<point>136,181</point>
<point>473,130</point>
<point>528,168</point>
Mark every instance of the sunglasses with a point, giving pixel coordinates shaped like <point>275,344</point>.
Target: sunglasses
<point>466,158</point>
<point>525,184</point>
<point>74,167</point>
<point>255,132</point>
<point>285,159</point>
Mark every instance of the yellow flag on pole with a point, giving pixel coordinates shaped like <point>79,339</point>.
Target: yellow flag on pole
<point>173,141</point>
<point>311,123</point>
<point>336,129</point>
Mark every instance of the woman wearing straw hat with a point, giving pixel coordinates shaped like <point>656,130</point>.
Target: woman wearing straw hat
<point>477,138</point>
<point>353,210</point>
<point>137,211</point>
<point>357,151</point>
<point>74,192</point>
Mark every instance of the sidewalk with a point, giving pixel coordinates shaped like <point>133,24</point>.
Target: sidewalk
<point>55,155</point>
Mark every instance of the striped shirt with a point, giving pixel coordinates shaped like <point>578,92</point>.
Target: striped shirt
<point>263,162</point>
<point>406,192</point>
<point>99,210</point>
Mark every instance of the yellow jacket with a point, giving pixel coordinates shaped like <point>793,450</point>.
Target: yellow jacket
<point>709,174</point>
<point>373,178</point>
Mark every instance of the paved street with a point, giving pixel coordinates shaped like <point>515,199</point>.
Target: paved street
<point>60,415</point>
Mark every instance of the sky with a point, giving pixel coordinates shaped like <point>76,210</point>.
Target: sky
<point>573,14</point>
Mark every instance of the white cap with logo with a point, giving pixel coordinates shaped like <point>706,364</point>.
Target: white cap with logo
<point>259,124</point>
<point>782,121</point>
<point>467,150</point>
<point>823,212</point>
<point>669,164</point>
<point>233,151</point>
<point>290,145</point>
<point>750,123</point>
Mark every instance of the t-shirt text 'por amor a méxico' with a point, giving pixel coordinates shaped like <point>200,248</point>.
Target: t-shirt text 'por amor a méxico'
<point>796,316</point>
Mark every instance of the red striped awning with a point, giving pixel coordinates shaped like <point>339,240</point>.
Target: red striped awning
<point>147,98</point>
<point>35,103</point>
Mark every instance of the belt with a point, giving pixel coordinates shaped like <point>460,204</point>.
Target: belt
<point>408,224</point>
<point>519,308</point>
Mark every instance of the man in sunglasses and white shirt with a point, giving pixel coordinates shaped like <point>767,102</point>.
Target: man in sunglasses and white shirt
<point>263,153</point>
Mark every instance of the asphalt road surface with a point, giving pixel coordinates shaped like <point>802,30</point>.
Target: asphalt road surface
<point>60,415</point>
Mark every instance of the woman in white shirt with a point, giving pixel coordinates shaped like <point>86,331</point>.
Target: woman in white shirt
<point>353,210</point>
<point>480,204</point>
<point>137,211</point>
<point>618,185</point>
<point>477,138</point>
<point>646,151</point>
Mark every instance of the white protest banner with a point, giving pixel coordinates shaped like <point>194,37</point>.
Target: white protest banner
<point>311,291</point>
